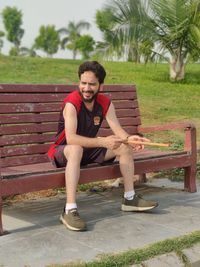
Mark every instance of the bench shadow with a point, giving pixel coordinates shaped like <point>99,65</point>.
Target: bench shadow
<point>93,208</point>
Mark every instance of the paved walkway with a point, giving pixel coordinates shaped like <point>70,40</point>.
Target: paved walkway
<point>37,238</point>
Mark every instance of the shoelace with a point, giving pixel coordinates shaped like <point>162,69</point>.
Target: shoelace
<point>75,213</point>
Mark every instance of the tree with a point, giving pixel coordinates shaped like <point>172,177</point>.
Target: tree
<point>121,23</point>
<point>176,26</point>
<point>27,52</point>
<point>72,32</point>
<point>12,19</point>
<point>1,41</point>
<point>47,40</point>
<point>172,26</point>
<point>85,44</point>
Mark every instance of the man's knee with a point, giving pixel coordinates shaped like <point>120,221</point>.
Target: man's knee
<point>73,152</point>
<point>125,150</point>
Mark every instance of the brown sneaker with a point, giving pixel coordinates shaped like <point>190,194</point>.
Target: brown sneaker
<point>138,204</point>
<point>72,220</point>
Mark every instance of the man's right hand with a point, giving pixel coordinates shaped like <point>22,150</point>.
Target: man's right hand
<point>111,142</point>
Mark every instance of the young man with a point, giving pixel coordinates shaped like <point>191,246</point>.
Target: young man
<point>77,144</point>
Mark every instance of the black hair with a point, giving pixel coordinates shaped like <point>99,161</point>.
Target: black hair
<point>95,67</point>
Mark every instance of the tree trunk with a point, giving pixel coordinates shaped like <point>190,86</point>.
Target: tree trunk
<point>177,69</point>
<point>74,53</point>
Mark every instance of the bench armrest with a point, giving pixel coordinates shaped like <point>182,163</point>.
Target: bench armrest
<point>188,127</point>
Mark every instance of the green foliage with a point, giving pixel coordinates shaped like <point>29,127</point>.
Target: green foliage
<point>14,51</point>
<point>27,52</point>
<point>1,41</point>
<point>137,30</point>
<point>47,40</point>
<point>104,19</point>
<point>72,34</point>
<point>12,19</point>
<point>85,44</point>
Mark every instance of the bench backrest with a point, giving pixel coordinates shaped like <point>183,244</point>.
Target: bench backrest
<point>29,118</point>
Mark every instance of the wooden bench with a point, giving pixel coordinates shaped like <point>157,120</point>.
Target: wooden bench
<point>28,117</point>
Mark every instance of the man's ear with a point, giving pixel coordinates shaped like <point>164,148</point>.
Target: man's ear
<point>101,87</point>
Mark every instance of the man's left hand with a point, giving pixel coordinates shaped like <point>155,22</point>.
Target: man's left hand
<point>139,139</point>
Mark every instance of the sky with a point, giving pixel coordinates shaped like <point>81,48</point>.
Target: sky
<point>53,12</point>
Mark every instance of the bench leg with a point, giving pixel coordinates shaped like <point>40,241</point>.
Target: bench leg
<point>190,179</point>
<point>1,224</point>
<point>2,232</point>
<point>142,178</point>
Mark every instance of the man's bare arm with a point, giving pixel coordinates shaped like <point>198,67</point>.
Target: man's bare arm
<point>70,117</point>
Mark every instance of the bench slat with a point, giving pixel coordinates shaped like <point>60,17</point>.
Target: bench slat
<point>24,150</point>
<point>125,103</point>
<point>48,97</point>
<point>28,118</point>
<point>107,131</point>
<point>23,160</point>
<point>52,127</point>
<point>52,117</point>
<point>124,122</point>
<point>29,107</point>
<point>7,140</point>
<point>29,128</point>
<point>31,98</point>
<point>52,88</point>
<point>55,106</point>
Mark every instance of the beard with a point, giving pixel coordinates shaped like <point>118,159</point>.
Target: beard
<point>92,98</point>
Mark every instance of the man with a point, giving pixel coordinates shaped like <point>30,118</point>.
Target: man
<point>77,144</point>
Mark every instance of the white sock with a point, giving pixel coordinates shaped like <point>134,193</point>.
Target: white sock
<point>70,206</point>
<point>129,195</point>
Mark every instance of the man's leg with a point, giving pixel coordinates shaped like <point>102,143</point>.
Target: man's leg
<point>73,155</point>
<point>131,201</point>
<point>70,217</point>
<point>125,155</point>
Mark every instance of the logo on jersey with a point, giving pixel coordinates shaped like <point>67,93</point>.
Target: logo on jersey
<point>97,120</point>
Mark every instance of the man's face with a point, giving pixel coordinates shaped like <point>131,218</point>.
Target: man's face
<point>89,86</point>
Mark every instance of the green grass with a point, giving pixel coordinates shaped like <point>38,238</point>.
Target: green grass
<point>136,256</point>
<point>160,100</point>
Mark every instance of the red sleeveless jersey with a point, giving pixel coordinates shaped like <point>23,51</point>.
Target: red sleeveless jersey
<point>89,122</point>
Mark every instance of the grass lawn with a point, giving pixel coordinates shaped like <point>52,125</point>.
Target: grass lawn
<point>160,100</point>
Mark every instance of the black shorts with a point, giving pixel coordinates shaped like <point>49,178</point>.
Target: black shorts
<point>90,155</point>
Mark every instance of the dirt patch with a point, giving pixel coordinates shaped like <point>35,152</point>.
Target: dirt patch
<point>30,196</point>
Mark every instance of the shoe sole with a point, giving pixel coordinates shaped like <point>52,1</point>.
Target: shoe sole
<point>71,227</point>
<point>131,208</point>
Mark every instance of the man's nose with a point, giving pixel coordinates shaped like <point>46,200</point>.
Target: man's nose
<point>87,86</point>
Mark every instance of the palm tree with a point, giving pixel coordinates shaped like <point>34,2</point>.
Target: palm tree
<point>123,24</point>
<point>177,30</point>
<point>27,52</point>
<point>173,26</point>
<point>72,33</point>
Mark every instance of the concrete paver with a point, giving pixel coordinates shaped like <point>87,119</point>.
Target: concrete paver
<point>167,260</point>
<point>37,238</point>
<point>193,255</point>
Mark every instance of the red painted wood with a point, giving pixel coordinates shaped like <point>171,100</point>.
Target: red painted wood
<point>31,98</point>
<point>24,150</point>
<point>52,88</point>
<point>6,140</point>
<point>23,160</point>
<point>29,128</point>
<point>27,118</point>
<point>8,108</point>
